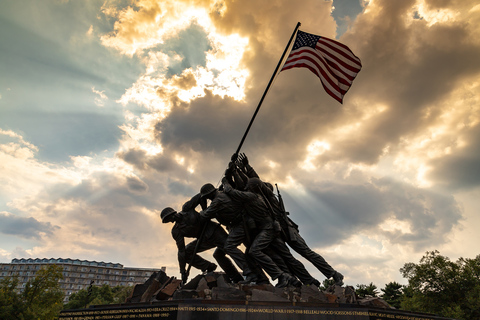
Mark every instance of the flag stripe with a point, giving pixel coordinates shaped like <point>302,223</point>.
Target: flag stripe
<point>342,50</point>
<point>343,60</point>
<point>332,62</point>
<point>340,64</point>
<point>313,59</point>
<point>305,58</point>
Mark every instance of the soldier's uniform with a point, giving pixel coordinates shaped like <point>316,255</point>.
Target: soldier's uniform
<point>292,236</point>
<point>190,225</point>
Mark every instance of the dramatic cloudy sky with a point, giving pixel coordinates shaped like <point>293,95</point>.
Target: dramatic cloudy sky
<point>111,110</point>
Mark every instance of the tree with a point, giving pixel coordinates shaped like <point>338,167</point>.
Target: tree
<point>327,283</point>
<point>40,299</point>
<point>99,295</point>
<point>440,286</point>
<point>366,290</point>
<point>11,305</point>
<point>392,294</point>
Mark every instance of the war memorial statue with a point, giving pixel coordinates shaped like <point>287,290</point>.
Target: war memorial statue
<point>253,216</point>
<point>249,213</point>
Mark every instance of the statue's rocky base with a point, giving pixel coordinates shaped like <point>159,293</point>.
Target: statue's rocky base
<point>211,297</point>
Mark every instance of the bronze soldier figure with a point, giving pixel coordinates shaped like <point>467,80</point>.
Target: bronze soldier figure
<point>267,234</point>
<point>189,223</point>
<point>291,233</point>
<point>230,214</point>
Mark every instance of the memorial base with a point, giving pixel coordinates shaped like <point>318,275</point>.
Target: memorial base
<point>235,310</point>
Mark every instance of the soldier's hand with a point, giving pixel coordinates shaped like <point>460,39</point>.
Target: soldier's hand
<point>234,157</point>
<point>242,157</point>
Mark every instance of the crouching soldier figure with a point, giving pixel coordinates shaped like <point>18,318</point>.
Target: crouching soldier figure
<point>189,224</point>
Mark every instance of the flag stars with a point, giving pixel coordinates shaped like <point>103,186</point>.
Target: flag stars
<point>305,40</point>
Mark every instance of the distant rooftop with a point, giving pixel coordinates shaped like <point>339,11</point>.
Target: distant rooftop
<point>70,261</point>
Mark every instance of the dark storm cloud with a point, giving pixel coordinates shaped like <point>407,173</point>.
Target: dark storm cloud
<point>161,163</point>
<point>332,211</point>
<point>207,124</point>
<point>29,228</point>
<point>136,185</point>
<point>182,188</point>
<point>459,170</point>
<point>408,66</point>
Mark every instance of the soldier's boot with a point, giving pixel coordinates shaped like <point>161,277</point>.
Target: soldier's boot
<point>338,278</point>
<point>249,278</point>
<point>212,267</point>
<point>237,278</point>
<point>314,282</point>
<point>294,282</point>
<point>262,279</point>
<point>283,280</point>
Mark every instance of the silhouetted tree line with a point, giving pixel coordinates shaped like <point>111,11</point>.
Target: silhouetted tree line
<point>435,285</point>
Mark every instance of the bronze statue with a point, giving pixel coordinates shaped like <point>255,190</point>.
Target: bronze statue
<point>189,223</point>
<point>290,230</point>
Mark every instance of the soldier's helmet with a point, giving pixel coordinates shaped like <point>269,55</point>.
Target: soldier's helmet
<point>207,189</point>
<point>254,184</point>
<point>167,212</point>
<point>269,186</point>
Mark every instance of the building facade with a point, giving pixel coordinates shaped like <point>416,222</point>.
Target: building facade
<point>77,274</point>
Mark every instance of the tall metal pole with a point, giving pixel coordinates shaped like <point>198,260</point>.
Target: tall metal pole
<point>268,87</point>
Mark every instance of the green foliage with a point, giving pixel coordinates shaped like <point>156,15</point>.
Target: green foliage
<point>99,295</point>
<point>440,286</point>
<point>327,283</point>
<point>40,299</point>
<point>366,290</point>
<point>393,294</point>
<point>10,303</point>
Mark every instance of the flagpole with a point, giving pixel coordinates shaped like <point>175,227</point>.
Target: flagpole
<point>268,87</point>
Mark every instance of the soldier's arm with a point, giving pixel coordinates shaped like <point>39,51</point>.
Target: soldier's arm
<point>211,211</point>
<point>243,196</point>
<point>247,167</point>
<point>192,203</point>
<point>180,240</point>
<point>240,179</point>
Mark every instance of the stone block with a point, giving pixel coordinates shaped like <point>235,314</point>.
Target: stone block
<point>375,302</point>
<point>211,280</point>
<point>168,290</point>
<point>264,287</point>
<point>228,294</point>
<point>202,285</point>
<point>262,295</point>
<point>185,294</point>
<point>331,298</point>
<point>312,294</point>
<point>193,284</point>
<point>222,283</point>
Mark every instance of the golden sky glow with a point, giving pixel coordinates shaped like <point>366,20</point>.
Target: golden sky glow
<point>112,110</point>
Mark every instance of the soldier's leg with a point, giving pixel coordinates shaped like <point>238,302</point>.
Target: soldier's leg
<point>297,268</point>
<point>301,247</point>
<point>219,238</point>
<point>199,262</point>
<point>277,259</point>
<point>236,236</point>
<point>260,243</point>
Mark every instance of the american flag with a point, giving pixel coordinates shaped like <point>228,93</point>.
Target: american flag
<point>334,63</point>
